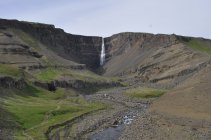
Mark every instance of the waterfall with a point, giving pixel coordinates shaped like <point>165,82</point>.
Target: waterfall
<point>102,54</point>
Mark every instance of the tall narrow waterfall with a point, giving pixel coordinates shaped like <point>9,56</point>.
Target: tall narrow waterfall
<point>102,54</point>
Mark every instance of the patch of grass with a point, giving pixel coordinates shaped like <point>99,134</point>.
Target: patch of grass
<point>28,115</point>
<point>90,76</point>
<point>200,45</point>
<point>124,84</point>
<point>32,106</point>
<point>41,109</point>
<point>64,111</point>
<point>48,75</point>
<point>51,74</point>
<point>9,70</point>
<point>144,93</point>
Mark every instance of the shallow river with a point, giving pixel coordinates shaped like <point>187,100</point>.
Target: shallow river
<point>114,132</point>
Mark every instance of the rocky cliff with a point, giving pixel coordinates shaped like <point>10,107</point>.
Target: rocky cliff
<point>9,82</point>
<point>80,49</point>
<point>159,60</point>
<point>147,58</point>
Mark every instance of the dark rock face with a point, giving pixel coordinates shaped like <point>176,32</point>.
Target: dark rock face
<point>81,49</point>
<point>8,82</point>
<point>8,125</point>
<point>76,84</point>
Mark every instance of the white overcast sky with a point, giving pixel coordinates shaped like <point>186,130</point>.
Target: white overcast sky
<point>107,17</point>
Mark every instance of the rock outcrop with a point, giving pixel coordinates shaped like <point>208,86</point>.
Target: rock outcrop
<point>76,84</point>
<point>9,82</point>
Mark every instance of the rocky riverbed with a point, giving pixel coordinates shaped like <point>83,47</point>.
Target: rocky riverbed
<point>125,119</point>
<point>105,124</point>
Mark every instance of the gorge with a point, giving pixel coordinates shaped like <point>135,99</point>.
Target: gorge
<point>56,85</point>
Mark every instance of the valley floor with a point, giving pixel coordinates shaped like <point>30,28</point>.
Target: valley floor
<point>123,113</point>
<point>105,124</point>
<point>110,124</point>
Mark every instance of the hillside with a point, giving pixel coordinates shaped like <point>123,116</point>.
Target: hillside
<point>160,60</point>
<point>53,86</point>
<point>43,73</point>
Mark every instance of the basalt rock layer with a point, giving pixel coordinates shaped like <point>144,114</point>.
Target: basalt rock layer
<point>8,82</point>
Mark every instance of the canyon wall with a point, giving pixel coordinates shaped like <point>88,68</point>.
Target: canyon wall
<point>77,48</point>
<point>159,60</point>
<point>153,59</point>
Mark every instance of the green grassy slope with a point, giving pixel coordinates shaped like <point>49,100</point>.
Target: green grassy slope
<point>144,92</point>
<point>33,110</point>
<point>51,74</point>
<point>9,70</point>
<point>200,45</point>
<point>36,109</point>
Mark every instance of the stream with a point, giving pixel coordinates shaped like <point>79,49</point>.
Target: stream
<point>115,131</point>
<point>109,125</point>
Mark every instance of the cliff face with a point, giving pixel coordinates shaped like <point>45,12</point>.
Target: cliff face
<point>80,49</point>
<point>8,82</point>
<point>159,60</point>
<point>120,43</point>
<point>156,59</point>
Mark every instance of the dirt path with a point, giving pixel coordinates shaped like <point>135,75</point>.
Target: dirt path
<point>27,135</point>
